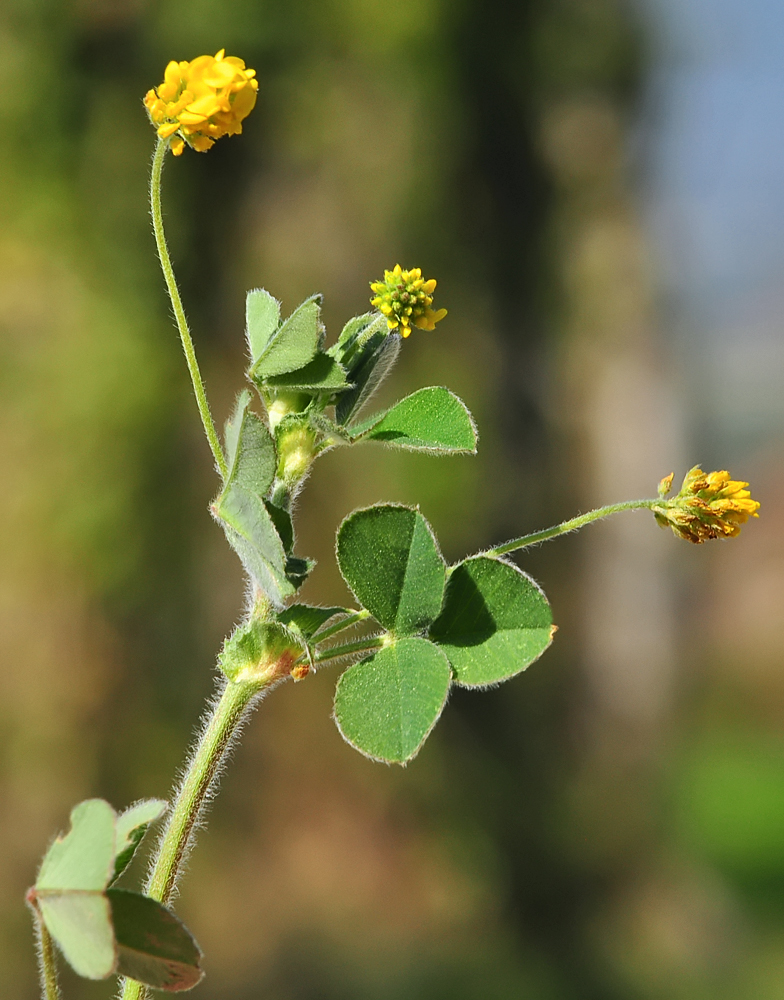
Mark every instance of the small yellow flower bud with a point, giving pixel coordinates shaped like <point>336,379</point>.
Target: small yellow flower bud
<point>708,506</point>
<point>202,100</point>
<point>405,298</point>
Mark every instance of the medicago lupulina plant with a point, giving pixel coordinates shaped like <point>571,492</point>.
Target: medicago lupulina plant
<point>473,624</point>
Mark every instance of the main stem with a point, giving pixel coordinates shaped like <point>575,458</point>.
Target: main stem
<point>179,312</point>
<point>216,738</point>
<point>572,525</point>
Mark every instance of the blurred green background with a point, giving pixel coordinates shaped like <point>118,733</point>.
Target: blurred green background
<point>608,826</point>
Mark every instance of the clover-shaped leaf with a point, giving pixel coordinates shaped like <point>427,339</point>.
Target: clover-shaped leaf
<point>496,621</point>
<point>490,623</point>
<point>389,557</point>
<point>102,930</point>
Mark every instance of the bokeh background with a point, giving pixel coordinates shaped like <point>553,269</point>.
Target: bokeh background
<point>598,187</point>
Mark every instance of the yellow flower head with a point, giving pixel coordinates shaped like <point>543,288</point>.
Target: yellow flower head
<point>405,298</point>
<point>709,505</point>
<point>202,100</point>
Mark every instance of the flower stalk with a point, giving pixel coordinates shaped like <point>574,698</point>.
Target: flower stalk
<point>179,312</point>
<point>573,524</point>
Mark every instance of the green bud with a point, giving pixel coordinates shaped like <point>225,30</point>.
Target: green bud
<point>297,447</point>
<point>261,651</point>
<point>282,404</point>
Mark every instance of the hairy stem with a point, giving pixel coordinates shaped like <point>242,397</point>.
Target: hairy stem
<point>572,525</point>
<point>348,648</point>
<point>353,619</point>
<point>220,728</point>
<point>47,961</point>
<point>179,312</point>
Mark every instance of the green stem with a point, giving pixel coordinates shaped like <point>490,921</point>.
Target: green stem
<point>347,648</point>
<point>572,525</point>
<point>344,623</point>
<point>217,735</point>
<point>47,961</point>
<point>179,312</point>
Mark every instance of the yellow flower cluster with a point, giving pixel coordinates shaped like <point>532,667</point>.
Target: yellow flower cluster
<point>405,298</point>
<point>709,505</point>
<point>202,100</point>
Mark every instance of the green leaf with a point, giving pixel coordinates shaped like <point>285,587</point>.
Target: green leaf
<point>298,569</point>
<point>153,946</point>
<point>283,524</point>
<point>231,429</point>
<point>81,924</point>
<point>292,345</point>
<point>369,370</point>
<point>308,619</point>
<point>262,315</point>
<point>84,857</point>
<point>322,374</point>
<point>386,705</point>
<point>431,419</point>
<point>252,535</point>
<point>253,459</point>
<point>69,890</point>
<point>496,621</point>
<point>131,826</point>
<point>251,531</point>
<point>102,931</point>
<point>389,558</point>
<point>352,331</point>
